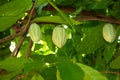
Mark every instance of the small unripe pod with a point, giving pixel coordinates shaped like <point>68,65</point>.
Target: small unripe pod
<point>35,33</point>
<point>59,36</point>
<point>109,32</point>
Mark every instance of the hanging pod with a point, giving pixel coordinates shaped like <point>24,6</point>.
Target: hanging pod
<point>109,32</point>
<point>59,36</point>
<point>35,32</point>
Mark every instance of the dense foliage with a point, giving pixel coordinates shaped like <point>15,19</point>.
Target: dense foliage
<point>86,55</point>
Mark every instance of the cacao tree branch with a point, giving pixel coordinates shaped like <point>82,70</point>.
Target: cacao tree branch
<point>10,37</point>
<point>86,15</point>
<point>29,49</point>
<point>15,52</point>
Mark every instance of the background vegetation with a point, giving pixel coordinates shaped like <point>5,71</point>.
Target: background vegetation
<point>85,56</point>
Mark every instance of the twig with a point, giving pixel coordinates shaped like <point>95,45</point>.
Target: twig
<point>106,72</point>
<point>29,49</point>
<point>15,52</point>
<point>11,37</point>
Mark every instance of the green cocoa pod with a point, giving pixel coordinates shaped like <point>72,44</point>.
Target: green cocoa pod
<point>35,33</point>
<point>59,36</point>
<point>109,32</point>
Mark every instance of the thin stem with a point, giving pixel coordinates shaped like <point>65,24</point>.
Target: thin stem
<point>109,72</point>
<point>15,52</point>
<point>10,37</point>
<point>29,49</point>
<point>62,15</point>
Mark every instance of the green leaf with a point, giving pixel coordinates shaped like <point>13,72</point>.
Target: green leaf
<point>41,2</point>
<point>49,73</point>
<point>40,5</point>
<point>91,74</point>
<point>4,1</point>
<point>88,38</point>
<point>13,11</point>
<point>115,64</point>
<point>37,77</point>
<point>9,75</point>
<point>12,63</point>
<point>33,66</point>
<point>8,21</point>
<point>68,70</point>
<point>100,4</point>
<point>109,51</point>
<point>55,19</point>
<point>15,7</point>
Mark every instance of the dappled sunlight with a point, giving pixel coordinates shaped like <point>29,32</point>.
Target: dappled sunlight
<point>12,46</point>
<point>47,64</point>
<point>118,39</point>
<point>44,50</point>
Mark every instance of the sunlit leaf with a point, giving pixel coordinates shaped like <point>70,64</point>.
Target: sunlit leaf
<point>37,77</point>
<point>14,9</point>
<point>55,19</point>
<point>90,73</point>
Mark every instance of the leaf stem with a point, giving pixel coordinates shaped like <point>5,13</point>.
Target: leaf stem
<point>29,49</point>
<point>106,72</point>
<point>62,15</point>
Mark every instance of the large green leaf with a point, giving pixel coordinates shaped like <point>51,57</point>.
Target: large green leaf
<point>88,38</point>
<point>68,70</point>
<point>13,11</point>
<point>100,4</point>
<point>49,73</point>
<point>31,66</point>
<point>15,7</point>
<point>8,21</point>
<point>91,74</point>
<point>41,2</point>
<point>115,64</point>
<point>12,63</point>
<point>109,51</point>
<point>55,19</point>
